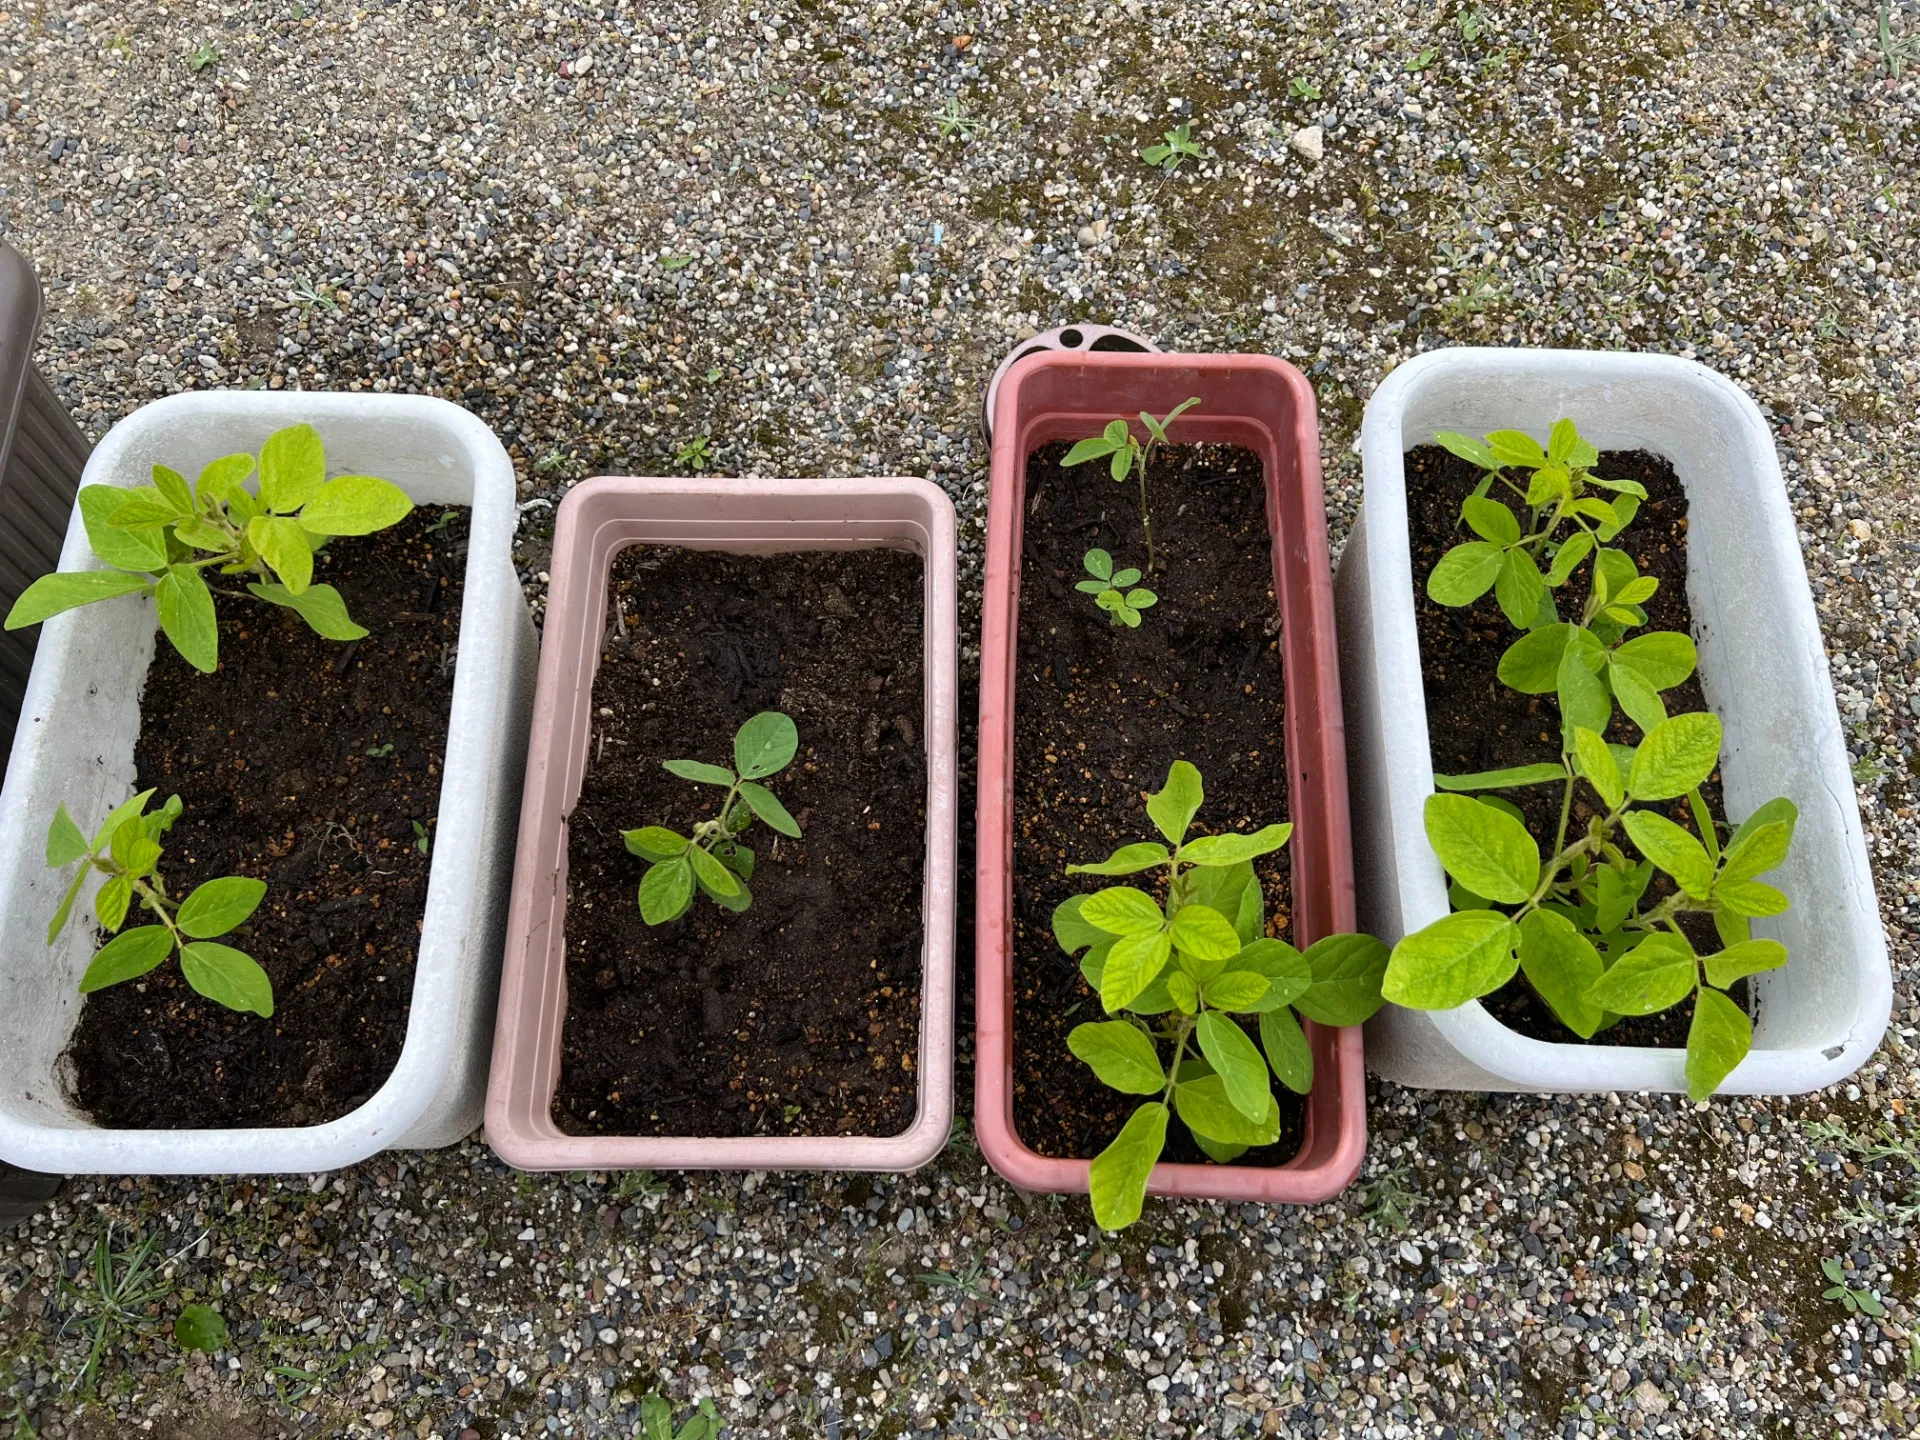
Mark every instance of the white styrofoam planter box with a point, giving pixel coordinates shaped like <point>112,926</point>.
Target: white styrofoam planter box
<point>75,743</point>
<point>1762,667</point>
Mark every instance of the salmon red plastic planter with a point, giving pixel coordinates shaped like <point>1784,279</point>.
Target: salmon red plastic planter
<point>1266,406</point>
<point>598,519</point>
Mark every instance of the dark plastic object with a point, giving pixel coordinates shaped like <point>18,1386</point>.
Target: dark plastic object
<point>22,1192</point>
<point>42,454</point>
<point>1094,339</point>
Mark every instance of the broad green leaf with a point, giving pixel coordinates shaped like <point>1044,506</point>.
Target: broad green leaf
<point>1490,520</point>
<point>1183,991</point>
<point>1238,1062</point>
<point>126,810</point>
<point>1598,510</point>
<point>1717,1041</point>
<point>1173,806</point>
<point>1531,664</point>
<point>1469,450</point>
<point>1215,1151</point>
<point>1204,933</point>
<point>1703,825</point>
<point>1117,1179</point>
<point>145,508</point>
<point>736,857</point>
<point>1598,765</point>
<point>1092,448</point>
<point>765,746</point>
<point>1489,852</point>
<point>655,842</point>
<point>222,477</point>
<point>1287,1050</point>
<point>1583,694</point>
<point>700,771</point>
<point>126,549</point>
<point>1502,779</point>
<point>1561,440</point>
<point>217,906</point>
<point>1287,972</point>
<point>1121,1055</point>
<point>110,903</point>
<point>293,466</point>
<point>1465,573</point>
<point>199,1327</point>
<point>1516,447</point>
<point>1562,965</point>
<point>1239,991</point>
<point>1099,564</point>
<point>1550,484</point>
<point>186,616</point>
<point>355,505</point>
<point>1232,849</point>
<point>203,535</point>
<point>227,977</point>
<point>142,855</point>
<point>319,605</point>
<point>173,489</point>
<point>128,954</point>
<point>1636,696</point>
<point>1122,910</point>
<point>1072,931</point>
<point>1733,929</point>
<point>1519,588</point>
<point>1675,756</point>
<point>665,891</point>
<point>1750,898</point>
<point>1748,957</point>
<point>1230,889</point>
<point>1127,860</point>
<point>1620,891</point>
<point>1778,810</point>
<point>711,873</point>
<point>1206,1109</point>
<point>1756,850</point>
<point>1636,591</point>
<point>1133,964</point>
<point>65,843</point>
<point>1674,849</point>
<point>1094,587</point>
<point>67,590</point>
<point>1569,556</point>
<point>1656,974</point>
<point>1456,959</point>
<point>1347,971</point>
<point>1616,570</point>
<point>767,806</point>
<point>283,545</point>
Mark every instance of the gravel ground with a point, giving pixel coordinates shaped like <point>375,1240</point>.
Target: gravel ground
<point>612,229</point>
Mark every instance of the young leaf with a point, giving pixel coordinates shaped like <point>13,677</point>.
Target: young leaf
<point>1121,1055</point>
<point>221,478</point>
<point>283,545</point>
<point>655,842</point>
<point>1519,588</point>
<point>1287,1050</point>
<point>764,804</point>
<point>124,549</point>
<point>1531,664</point>
<point>1183,991</point>
<point>110,902</point>
<point>1598,765</point>
<point>217,906</point>
<point>1674,849</point>
<point>1456,959</point>
<point>128,954</point>
<point>1562,965</point>
<point>1469,450</point>
<point>186,616</point>
<point>319,605</point>
<point>1240,991</point>
<point>227,977</point>
<point>1675,756</point>
<point>1569,556</point>
<point>1717,1041</point>
<point>1232,849</point>
<point>736,857</point>
<point>1502,779</point>
<point>293,466</point>
<point>1620,891</point>
<point>174,489</point>
<point>67,590</point>
<point>1490,520</point>
<point>1748,957</point>
<point>1347,971</point>
<point>1122,910</point>
<point>355,505</point>
<point>1173,806</point>
<point>1654,975</point>
<point>198,1327</point>
<point>1489,852</point>
<point>1204,934</point>
<point>1287,972</point>
<point>765,746</point>
<point>1099,564</point>
<point>1636,696</point>
<point>1750,898</point>
<point>65,843</point>
<point>1756,849</point>
<point>1515,447</point>
<point>1583,694</point>
<point>700,771</point>
<point>1133,964</point>
<point>1550,485</point>
<point>1072,931</point>
<point>1117,1179</point>
<point>1204,1105</point>
<point>1127,860</point>
<point>717,879</point>
<point>1778,810</point>
<point>1238,1062</point>
<point>1092,448</point>
<point>665,891</point>
<point>1561,440</point>
<point>1465,573</point>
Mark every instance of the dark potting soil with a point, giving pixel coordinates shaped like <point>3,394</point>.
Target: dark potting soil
<point>1102,712</point>
<point>801,1015</point>
<point>1476,723</point>
<point>312,765</point>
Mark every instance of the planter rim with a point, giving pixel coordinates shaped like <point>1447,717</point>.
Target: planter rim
<point>424,1091</point>
<point>597,519</point>
<point>1652,400</point>
<point>1272,412</point>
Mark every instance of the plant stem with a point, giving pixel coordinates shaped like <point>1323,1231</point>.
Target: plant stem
<point>1179,1054</point>
<point>1566,809</point>
<point>1146,519</point>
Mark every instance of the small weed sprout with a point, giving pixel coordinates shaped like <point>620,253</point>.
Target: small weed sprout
<point>1125,456</point>
<point>656,1420</point>
<point>713,859</point>
<point>203,56</point>
<point>696,454</point>
<point>1301,88</point>
<point>1175,146</point>
<point>126,849</point>
<point>1109,588</point>
<point>1421,61</point>
<point>954,120</point>
<point>1856,1302</point>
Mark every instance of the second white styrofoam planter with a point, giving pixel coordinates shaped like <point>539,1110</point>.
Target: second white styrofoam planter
<point>1762,667</point>
<point>78,726</point>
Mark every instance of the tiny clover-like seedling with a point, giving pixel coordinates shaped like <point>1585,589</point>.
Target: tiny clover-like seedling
<point>1125,456</point>
<point>1583,925</point>
<point>713,858</point>
<point>1115,591</point>
<point>1856,1301</point>
<point>1176,974</point>
<point>656,1420</point>
<point>126,849</point>
<point>159,540</point>
<point>1175,146</point>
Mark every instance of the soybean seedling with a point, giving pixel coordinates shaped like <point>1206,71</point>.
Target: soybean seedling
<point>712,858</point>
<point>150,534</point>
<point>1109,588</point>
<point>1176,145</point>
<point>1581,926</point>
<point>1125,455</point>
<point>1176,975</point>
<point>656,1420</point>
<point>126,849</point>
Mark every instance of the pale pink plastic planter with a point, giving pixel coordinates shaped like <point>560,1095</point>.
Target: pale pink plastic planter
<point>1267,406</point>
<point>597,520</point>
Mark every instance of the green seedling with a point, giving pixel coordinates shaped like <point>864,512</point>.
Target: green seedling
<point>1301,88</point>
<point>422,841</point>
<point>671,263</point>
<point>126,849</point>
<point>1125,456</point>
<point>713,859</point>
<point>1581,927</point>
<point>159,539</point>
<point>1111,592</point>
<point>1175,146</point>
<point>656,1420</point>
<point>1421,61</point>
<point>696,454</point>
<point>1856,1302</point>
<point>1897,51</point>
<point>954,120</point>
<point>1177,975</point>
<point>199,1327</point>
<point>109,1298</point>
<point>203,56</point>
